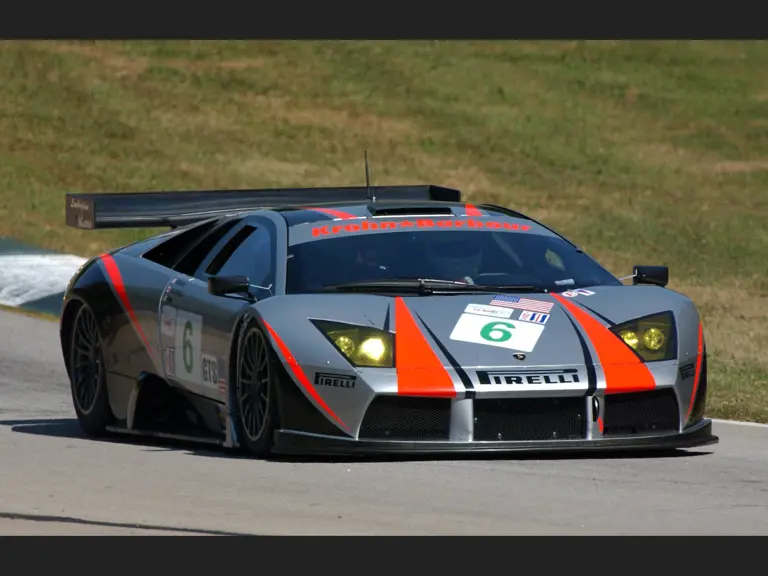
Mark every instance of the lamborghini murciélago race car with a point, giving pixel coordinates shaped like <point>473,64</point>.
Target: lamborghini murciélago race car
<point>367,320</point>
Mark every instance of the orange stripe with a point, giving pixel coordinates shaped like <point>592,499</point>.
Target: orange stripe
<point>624,371</point>
<point>419,370</point>
<point>117,281</point>
<point>697,377</point>
<point>334,213</point>
<point>472,210</point>
<point>300,375</point>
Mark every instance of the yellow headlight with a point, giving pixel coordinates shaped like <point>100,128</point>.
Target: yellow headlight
<point>345,344</point>
<point>372,349</point>
<point>630,338</point>
<point>653,339</point>
<point>362,345</point>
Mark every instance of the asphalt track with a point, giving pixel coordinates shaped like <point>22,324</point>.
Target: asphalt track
<point>55,481</point>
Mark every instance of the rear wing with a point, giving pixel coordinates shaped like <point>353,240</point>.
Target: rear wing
<point>156,209</point>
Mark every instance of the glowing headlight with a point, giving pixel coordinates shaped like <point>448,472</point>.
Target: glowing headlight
<point>363,346</point>
<point>653,337</point>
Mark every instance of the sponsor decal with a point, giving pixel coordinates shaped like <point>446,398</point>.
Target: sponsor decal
<point>535,317</point>
<point>522,303</point>
<point>169,355</point>
<point>209,367</point>
<point>508,334</point>
<point>566,282</point>
<point>168,321</point>
<point>80,213</point>
<point>577,292</point>
<point>188,357</point>
<point>484,310</point>
<point>335,380</point>
<point>527,377</point>
<point>78,204</point>
<point>687,371</point>
<point>448,223</point>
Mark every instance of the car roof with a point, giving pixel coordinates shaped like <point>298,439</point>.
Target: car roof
<point>346,210</point>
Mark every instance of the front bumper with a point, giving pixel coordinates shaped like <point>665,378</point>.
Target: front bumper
<point>289,442</point>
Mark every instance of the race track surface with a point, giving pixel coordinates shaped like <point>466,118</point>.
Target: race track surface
<point>55,481</point>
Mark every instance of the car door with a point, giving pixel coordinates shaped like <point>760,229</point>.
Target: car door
<point>197,326</point>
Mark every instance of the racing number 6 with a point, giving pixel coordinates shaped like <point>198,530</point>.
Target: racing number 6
<point>497,331</point>
<point>187,347</point>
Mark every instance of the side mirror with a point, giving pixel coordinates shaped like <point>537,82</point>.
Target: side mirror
<point>226,285</point>
<point>657,275</point>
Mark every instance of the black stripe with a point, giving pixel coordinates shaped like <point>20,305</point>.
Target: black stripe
<point>603,318</point>
<point>386,319</point>
<point>463,376</point>
<point>588,362</point>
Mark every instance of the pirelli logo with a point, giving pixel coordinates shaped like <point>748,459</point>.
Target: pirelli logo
<point>524,377</point>
<point>335,380</point>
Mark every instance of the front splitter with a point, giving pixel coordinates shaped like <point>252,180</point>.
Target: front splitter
<point>290,442</point>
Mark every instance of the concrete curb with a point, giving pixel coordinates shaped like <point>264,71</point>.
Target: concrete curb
<point>34,279</point>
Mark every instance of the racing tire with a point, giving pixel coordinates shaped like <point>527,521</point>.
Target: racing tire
<point>254,395</point>
<point>87,374</point>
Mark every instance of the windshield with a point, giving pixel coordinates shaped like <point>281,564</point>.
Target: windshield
<point>481,258</point>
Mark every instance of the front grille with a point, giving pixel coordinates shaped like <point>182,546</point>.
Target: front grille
<point>529,419</point>
<point>404,418</point>
<point>641,412</point>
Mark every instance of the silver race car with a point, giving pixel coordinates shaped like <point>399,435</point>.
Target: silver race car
<point>372,320</point>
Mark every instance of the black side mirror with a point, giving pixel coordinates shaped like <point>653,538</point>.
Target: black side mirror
<point>657,275</point>
<point>226,285</point>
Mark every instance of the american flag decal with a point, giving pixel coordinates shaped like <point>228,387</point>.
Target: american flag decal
<point>522,303</point>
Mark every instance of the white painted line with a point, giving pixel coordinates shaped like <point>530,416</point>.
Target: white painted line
<point>28,277</point>
<point>739,423</point>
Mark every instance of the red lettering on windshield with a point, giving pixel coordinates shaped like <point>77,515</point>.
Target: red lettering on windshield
<point>367,225</point>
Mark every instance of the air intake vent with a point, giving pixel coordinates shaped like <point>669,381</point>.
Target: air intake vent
<point>414,210</point>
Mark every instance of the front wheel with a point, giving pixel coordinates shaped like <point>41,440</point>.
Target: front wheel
<point>87,374</point>
<point>255,397</point>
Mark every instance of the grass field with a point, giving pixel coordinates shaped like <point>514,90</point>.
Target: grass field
<point>641,152</point>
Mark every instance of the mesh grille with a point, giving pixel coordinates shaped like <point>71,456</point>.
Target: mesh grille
<point>641,412</point>
<point>402,418</point>
<point>530,419</point>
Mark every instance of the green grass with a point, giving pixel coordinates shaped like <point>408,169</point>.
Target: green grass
<point>642,152</point>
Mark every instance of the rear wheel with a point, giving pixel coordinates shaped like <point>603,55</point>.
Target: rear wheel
<point>87,374</point>
<point>255,397</point>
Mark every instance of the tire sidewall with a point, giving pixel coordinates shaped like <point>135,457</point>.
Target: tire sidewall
<point>263,446</point>
<point>95,421</point>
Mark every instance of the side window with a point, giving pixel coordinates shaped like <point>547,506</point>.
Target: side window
<point>197,253</point>
<point>249,252</point>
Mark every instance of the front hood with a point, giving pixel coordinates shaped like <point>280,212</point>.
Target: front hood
<point>478,331</point>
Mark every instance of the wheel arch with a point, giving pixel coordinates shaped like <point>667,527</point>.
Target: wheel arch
<point>68,315</point>
<point>295,410</point>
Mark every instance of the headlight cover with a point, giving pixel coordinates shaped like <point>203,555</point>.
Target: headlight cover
<point>653,338</point>
<point>363,346</point>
